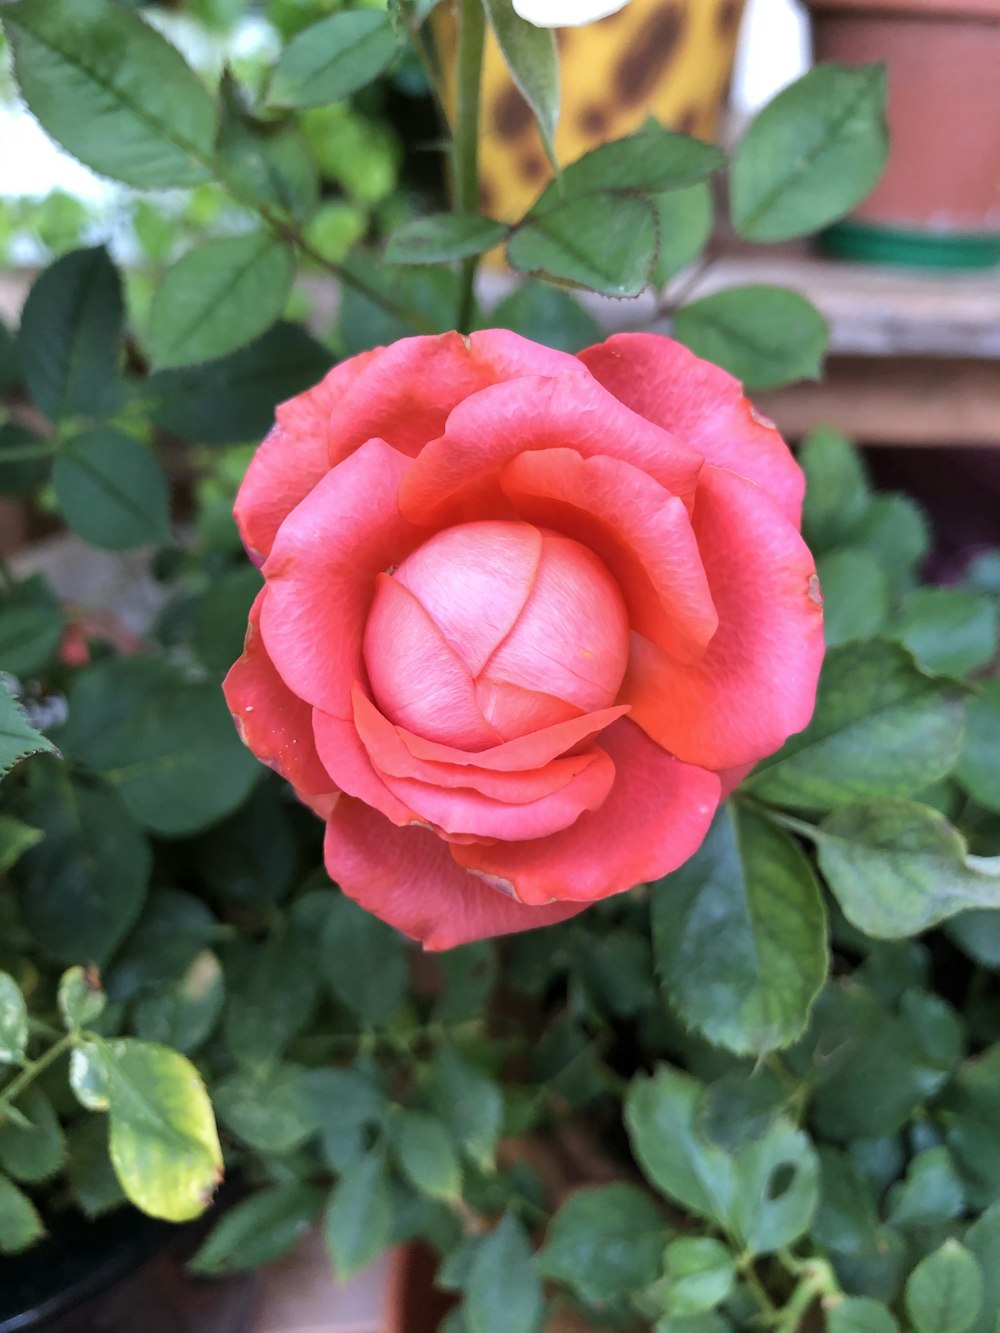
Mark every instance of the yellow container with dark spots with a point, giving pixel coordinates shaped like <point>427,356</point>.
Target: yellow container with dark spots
<point>671,59</point>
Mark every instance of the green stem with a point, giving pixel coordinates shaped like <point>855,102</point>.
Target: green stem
<point>465,174</point>
<point>792,824</point>
<point>32,1070</point>
<point>768,1307</point>
<point>24,453</point>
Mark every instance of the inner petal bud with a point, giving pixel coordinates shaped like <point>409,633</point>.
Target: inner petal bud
<point>535,620</point>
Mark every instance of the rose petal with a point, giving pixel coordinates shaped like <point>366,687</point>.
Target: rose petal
<point>391,757</point>
<point>406,392</point>
<point>640,531</point>
<point>665,382</point>
<point>513,711</point>
<point>417,678</point>
<point>654,818</point>
<point>407,878</point>
<point>455,477</point>
<point>292,458</point>
<point>321,574</point>
<point>756,684</point>
<point>273,722</point>
<point>532,750</point>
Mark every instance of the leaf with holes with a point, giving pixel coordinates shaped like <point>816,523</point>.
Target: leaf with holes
<point>112,91</point>
<point>811,154</point>
<point>219,297</point>
<point>765,336</point>
<point>333,58</point>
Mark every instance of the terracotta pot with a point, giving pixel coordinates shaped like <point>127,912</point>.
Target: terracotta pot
<point>939,199</point>
<point>671,59</point>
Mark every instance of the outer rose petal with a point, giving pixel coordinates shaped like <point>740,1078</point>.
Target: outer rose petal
<point>407,877</point>
<point>291,460</point>
<point>533,750</point>
<point>273,722</point>
<point>321,574</point>
<point>702,404</point>
<point>405,393</point>
<point>756,685</point>
<point>655,817</point>
<point>640,531</point>
<point>455,477</point>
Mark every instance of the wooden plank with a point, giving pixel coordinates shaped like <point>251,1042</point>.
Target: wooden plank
<point>914,400</point>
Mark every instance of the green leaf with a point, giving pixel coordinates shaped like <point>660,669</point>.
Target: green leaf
<point>684,219</point>
<point>898,868</point>
<point>427,1154</point>
<point>184,1016</point>
<point>18,738</point>
<point>258,1230</point>
<point>422,299</point>
<point>968,1112</point>
<point>13,1021</point>
<point>333,58</point>
<point>469,1102</point>
<point>763,1195</point>
<point>219,626</point>
<point>700,1272</point>
<point>847,1218</point>
<point>811,154</point>
<point>10,367</point>
<point>931,1193</point>
<point>112,91</point>
<point>944,1292</point>
<point>24,475</point>
<point>173,928</point>
<point>266,163</point>
<point>359,1219</point>
<point>765,336</point>
<point>346,1104</point>
<point>31,625</point>
<point>739,936</point>
<point>650,161</point>
<point>92,1178</point>
<point>948,630</point>
<point>855,595</point>
<point>503,1289</point>
<point>15,839</point>
<point>365,961</point>
<point>35,1150</point>
<point>163,1141</point>
<point>442,237</point>
<point>272,997</point>
<point>112,490</point>
<point>233,399</point>
<point>859,1314</point>
<point>531,57</point>
<point>80,996</point>
<point>20,1225</point>
<point>147,730</point>
<point>982,1240</point>
<point>71,330</point>
<point>740,1106</point>
<point>85,883</point>
<point>895,530</point>
<point>977,769</point>
<point>219,297</point>
<point>266,1108</point>
<point>469,976</point>
<point>549,315</point>
<point>881,728</point>
<point>605,1242</point>
<point>606,242</point>
<point>837,489</point>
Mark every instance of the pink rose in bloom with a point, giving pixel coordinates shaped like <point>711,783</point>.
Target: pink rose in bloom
<point>527,617</point>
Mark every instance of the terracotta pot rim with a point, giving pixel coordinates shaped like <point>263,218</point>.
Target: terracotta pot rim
<point>945,10</point>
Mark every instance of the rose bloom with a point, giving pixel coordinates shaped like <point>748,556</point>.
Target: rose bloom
<point>527,617</point>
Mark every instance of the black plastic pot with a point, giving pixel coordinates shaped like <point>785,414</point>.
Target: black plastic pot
<point>118,1274</point>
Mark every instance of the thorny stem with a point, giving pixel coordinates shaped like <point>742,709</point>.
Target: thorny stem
<point>465,174</point>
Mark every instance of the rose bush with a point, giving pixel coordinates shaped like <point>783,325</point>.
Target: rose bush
<point>526,618</point>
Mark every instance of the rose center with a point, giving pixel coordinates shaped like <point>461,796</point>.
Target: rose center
<point>491,630</point>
